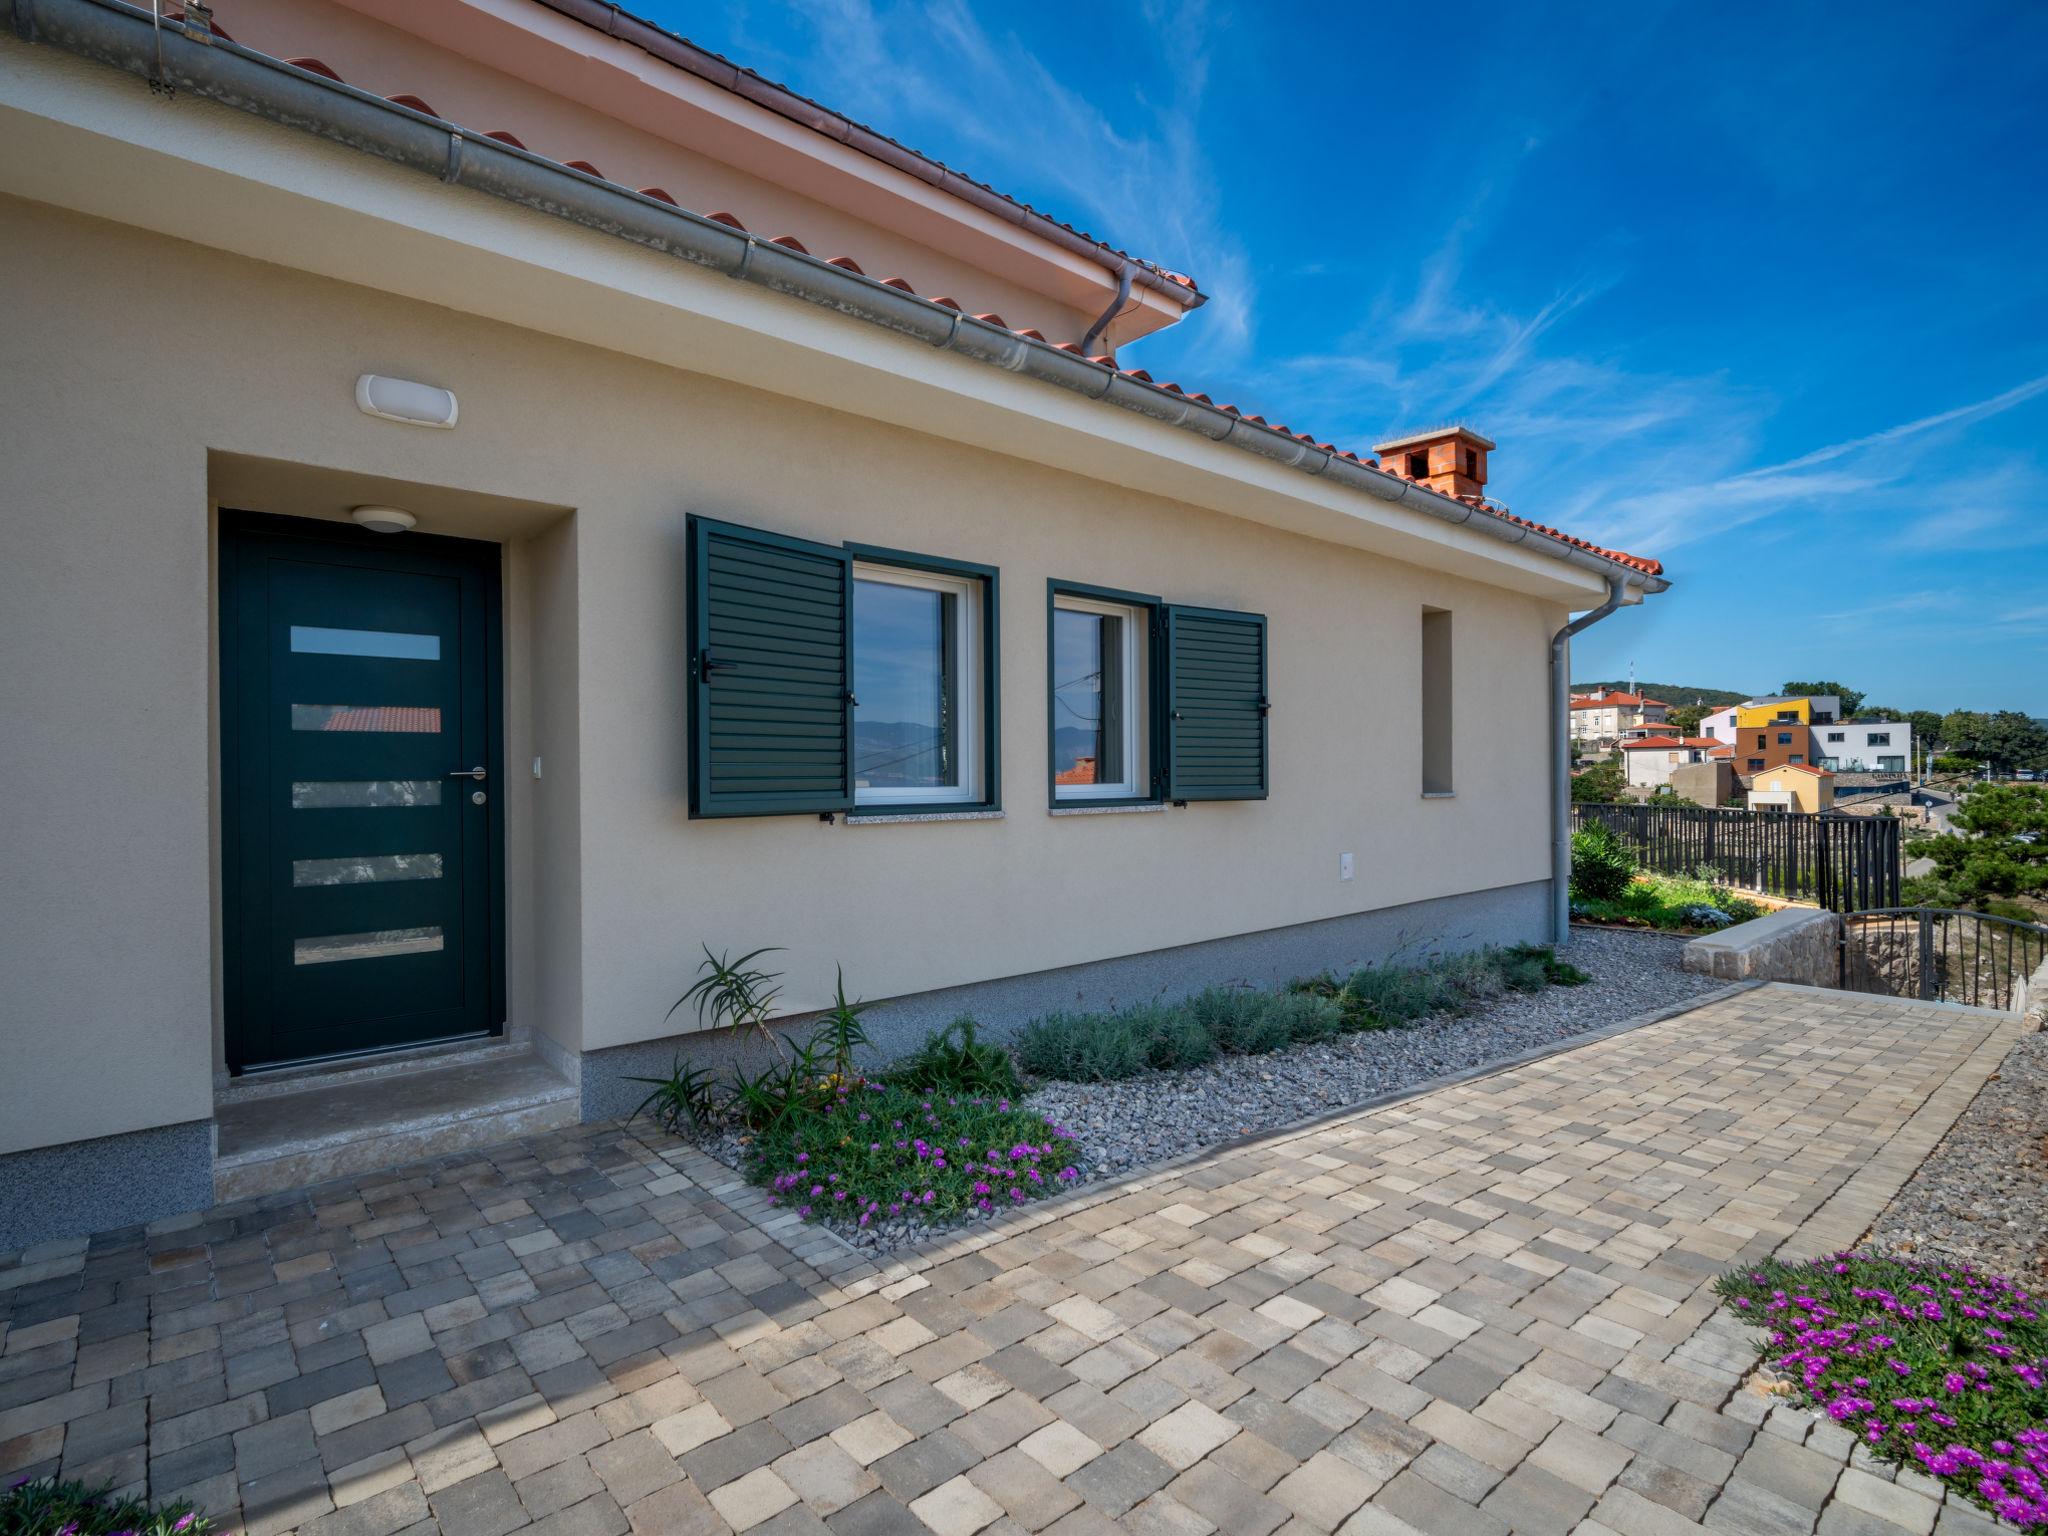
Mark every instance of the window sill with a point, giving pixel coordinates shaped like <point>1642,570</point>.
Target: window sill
<point>898,818</point>
<point>1112,809</point>
<point>1439,794</point>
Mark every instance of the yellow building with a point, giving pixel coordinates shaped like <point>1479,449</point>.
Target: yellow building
<point>1794,787</point>
<point>1819,709</point>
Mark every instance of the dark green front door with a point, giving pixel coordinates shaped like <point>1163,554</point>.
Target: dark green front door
<point>362,873</point>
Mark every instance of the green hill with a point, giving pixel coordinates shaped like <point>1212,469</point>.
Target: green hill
<point>1671,693</point>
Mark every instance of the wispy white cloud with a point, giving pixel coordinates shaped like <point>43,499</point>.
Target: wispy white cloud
<point>940,77</point>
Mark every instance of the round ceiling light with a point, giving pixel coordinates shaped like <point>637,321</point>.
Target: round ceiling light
<point>383,519</point>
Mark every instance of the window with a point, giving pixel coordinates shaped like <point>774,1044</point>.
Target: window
<point>1755,763</point>
<point>1784,738</point>
<point>917,683</point>
<point>1891,765</point>
<point>1796,757</point>
<point>823,678</point>
<point>1837,736</point>
<point>1879,739</point>
<point>1101,698</point>
<point>1761,739</point>
<point>1149,700</point>
<point>1436,701</point>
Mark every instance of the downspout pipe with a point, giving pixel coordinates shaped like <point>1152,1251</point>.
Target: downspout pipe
<point>1621,592</point>
<point>1116,307</point>
<point>187,59</point>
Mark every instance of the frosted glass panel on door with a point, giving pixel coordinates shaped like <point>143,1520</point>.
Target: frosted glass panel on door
<point>328,948</point>
<point>410,719</point>
<point>366,869</point>
<point>347,794</point>
<point>309,639</point>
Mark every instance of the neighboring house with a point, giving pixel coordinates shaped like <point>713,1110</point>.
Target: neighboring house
<point>1720,725</point>
<point>1813,709</point>
<point>1602,718</point>
<point>1857,746</point>
<point>1793,787</point>
<point>1651,759</point>
<point>790,563</point>
<point>1757,748</point>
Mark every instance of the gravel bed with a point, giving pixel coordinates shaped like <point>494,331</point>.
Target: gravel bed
<point>1144,1119</point>
<point>1981,1197</point>
<point>1126,1125</point>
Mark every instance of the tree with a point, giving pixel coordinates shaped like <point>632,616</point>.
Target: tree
<point>1962,729</point>
<point>2012,740</point>
<point>1685,719</point>
<point>1851,699</point>
<point>1601,782</point>
<point>2001,852</point>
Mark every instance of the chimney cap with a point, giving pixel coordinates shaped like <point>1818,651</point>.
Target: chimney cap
<point>1434,435</point>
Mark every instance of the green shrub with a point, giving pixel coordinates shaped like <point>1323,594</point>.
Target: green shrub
<point>1401,997</point>
<point>1082,1047</point>
<point>1240,1020</point>
<point>1305,1016</point>
<point>1175,1038</point>
<point>954,1060</point>
<point>1602,865</point>
<point>46,1507</point>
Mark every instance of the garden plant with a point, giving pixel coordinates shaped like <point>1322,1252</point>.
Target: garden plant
<point>1932,1366</point>
<point>1240,1021</point>
<point>45,1507</point>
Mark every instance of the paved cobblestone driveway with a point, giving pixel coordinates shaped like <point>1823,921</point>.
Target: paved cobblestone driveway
<point>1480,1310</point>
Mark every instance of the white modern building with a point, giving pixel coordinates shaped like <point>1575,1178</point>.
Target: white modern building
<point>1874,746</point>
<point>1651,758</point>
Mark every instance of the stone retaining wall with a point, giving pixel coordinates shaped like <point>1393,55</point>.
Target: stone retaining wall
<point>1796,944</point>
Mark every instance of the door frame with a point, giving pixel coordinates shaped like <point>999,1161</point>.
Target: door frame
<point>487,559</point>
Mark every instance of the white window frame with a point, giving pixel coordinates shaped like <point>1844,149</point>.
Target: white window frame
<point>1136,784</point>
<point>967,667</point>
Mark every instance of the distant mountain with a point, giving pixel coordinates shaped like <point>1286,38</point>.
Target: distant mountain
<point>1672,693</point>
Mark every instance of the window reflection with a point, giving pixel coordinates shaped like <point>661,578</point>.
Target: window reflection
<point>326,949</point>
<point>409,719</point>
<point>906,724</point>
<point>367,868</point>
<point>343,794</point>
<point>310,639</point>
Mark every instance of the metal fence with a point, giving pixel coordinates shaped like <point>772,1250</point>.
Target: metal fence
<point>1844,863</point>
<point>1940,955</point>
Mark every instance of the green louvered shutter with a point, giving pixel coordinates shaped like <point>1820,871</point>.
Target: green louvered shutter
<point>771,668</point>
<point>1215,705</point>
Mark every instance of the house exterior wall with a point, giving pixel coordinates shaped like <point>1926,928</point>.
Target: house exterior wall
<point>124,394</point>
<point>1791,790</point>
<point>1872,747</point>
<point>1651,767</point>
<point>1759,747</point>
<point>1720,725</point>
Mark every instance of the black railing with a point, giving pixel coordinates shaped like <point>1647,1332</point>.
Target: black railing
<point>1844,863</point>
<point>1940,955</point>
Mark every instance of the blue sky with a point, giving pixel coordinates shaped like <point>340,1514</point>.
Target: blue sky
<point>1759,290</point>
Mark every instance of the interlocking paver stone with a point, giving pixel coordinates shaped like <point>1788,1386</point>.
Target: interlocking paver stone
<point>1480,1307</point>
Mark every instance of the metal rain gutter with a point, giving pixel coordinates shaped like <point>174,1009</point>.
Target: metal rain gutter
<point>1621,592</point>
<point>191,60</point>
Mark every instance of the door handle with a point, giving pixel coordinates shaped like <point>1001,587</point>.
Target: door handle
<point>467,773</point>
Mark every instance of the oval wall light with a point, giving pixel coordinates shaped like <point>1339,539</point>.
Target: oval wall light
<point>417,405</point>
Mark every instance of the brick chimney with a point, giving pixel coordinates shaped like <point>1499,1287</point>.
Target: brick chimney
<point>1451,460</point>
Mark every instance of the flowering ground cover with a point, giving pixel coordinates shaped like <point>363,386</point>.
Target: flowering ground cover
<point>873,1152</point>
<point>1940,1368</point>
<point>46,1507</point>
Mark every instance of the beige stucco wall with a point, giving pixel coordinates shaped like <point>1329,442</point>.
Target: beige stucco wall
<point>140,357</point>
